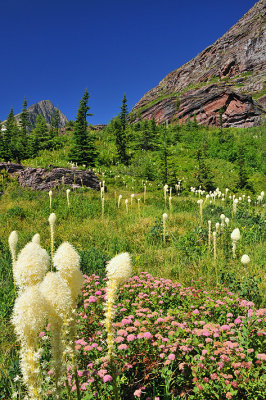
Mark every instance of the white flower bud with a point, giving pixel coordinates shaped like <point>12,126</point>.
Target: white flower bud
<point>52,219</point>
<point>245,259</point>
<point>235,235</point>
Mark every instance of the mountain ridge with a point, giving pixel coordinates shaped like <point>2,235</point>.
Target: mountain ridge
<point>228,74</point>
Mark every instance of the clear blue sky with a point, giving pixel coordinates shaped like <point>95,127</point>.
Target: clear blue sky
<point>54,49</point>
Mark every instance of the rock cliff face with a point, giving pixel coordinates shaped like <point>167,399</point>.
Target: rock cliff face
<point>228,75</point>
<point>47,110</point>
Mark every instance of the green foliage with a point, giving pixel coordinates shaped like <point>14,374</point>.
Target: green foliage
<point>83,150</point>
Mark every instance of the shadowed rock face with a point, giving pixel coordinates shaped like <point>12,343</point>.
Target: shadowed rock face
<point>44,179</point>
<point>229,74</point>
<point>47,110</point>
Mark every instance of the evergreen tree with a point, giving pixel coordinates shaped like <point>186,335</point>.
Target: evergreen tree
<point>120,126</point>
<point>83,150</point>
<point>55,123</point>
<point>124,113</point>
<point>24,118</point>
<point>164,153</point>
<point>39,138</point>
<point>204,175</point>
<point>13,144</point>
<point>243,179</point>
<point>120,140</point>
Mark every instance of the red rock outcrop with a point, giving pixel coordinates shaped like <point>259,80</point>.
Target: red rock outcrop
<point>229,74</point>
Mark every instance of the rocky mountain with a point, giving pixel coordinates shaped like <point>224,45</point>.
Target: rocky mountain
<point>228,78</point>
<point>46,109</point>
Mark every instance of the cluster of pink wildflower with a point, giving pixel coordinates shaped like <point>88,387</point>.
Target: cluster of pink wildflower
<point>210,341</point>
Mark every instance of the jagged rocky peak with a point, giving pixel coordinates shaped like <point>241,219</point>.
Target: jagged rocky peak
<point>229,75</point>
<point>47,110</point>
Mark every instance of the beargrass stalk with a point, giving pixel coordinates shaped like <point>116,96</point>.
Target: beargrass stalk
<point>67,194</point>
<point>119,200</point>
<point>235,236</point>
<point>144,193</point>
<point>12,241</point>
<point>209,235</point>
<point>164,226</point>
<point>50,198</point>
<point>52,219</point>
<point>118,270</point>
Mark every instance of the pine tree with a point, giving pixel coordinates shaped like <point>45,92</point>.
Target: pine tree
<point>83,150</point>
<point>124,113</point>
<point>39,137</point>
<point>55,123</point>
<point>24,118</point>
<point>204,175</point>
<point>13,144</point>
<point>243,179</point>
<point>120,126</point>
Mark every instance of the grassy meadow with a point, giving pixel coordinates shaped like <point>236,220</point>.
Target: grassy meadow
<point>179,295</point>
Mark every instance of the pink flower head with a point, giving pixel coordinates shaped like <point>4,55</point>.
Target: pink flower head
<point>131,337</point>
<point>137,393</point>
<point>148,335</point>
<point>123,347</point>
<point>92,299</point>
<point>171,357</point>
<point>107,378</point>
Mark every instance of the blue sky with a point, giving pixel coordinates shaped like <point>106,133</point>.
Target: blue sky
<point>54,49</point>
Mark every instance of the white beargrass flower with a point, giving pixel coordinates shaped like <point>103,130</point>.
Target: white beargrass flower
<point>29,313</point>
<point>245,259</point>
<point>131,198</point>
<point>29,317</point>
<point>66,258</point>
<point>235,236</point>
<point>164,225</point>
<point>36,238</point>
<point>52,219</point>
<point>67,194</point>
<point>126,204</point>
<point>12,241</point>
<point>50,197</point>
<point>119,199</point>
<point>209,234</point>
<point>226,220</point>
<point>119,268</point>
<point>217,225</point>
<point>31,265</point>
<point>57,294</point>
<point>67,262</point>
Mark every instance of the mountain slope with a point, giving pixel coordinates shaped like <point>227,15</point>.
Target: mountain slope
<point>229,74</point>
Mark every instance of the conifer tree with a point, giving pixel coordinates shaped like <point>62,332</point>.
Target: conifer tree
<point>24,118</point>
<point>124,113</point>
<point>83,150</point>
<point>13,145</point>
<point>120,126</point>
<point>39,137</point>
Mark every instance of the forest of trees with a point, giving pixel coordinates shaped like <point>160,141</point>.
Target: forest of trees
<point>19,141</point>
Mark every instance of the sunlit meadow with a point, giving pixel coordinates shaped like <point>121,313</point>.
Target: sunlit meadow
<point>188,324</point>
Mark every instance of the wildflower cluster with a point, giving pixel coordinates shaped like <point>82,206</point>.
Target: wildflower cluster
<point>171,339</point>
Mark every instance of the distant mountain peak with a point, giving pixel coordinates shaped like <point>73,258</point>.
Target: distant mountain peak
<point>47,110</point>
<point>228,75</point>
<point>44,108</point>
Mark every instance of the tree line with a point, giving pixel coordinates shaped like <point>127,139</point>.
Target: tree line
<point>19,140</point>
